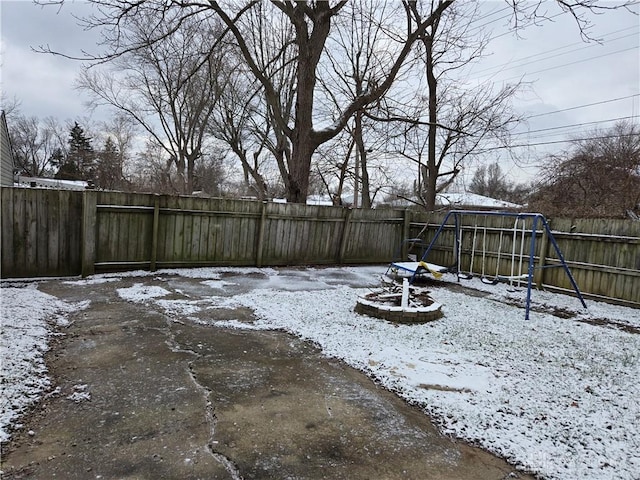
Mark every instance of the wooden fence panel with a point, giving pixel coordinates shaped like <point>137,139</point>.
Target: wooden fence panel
<point>124,226</point>
<point>43,232</point>
<point>40,232</point>
<point>373,235</point>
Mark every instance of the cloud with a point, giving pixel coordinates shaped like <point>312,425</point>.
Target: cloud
<point>44,83</point>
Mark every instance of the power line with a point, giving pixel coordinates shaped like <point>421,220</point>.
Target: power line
<point>584,106</point>
<point>555,142</point>
<point>489,14</point>
<point>573,63</point>
<point>517,64</point>
<point>576,125</point>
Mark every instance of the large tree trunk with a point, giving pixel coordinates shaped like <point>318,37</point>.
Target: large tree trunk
<point>299,167</point>
<point>431,178</point>
<point>362,168</point>
<point>310,46</point>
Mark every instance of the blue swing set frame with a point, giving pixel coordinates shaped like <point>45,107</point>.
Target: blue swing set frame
<point>421,267</point>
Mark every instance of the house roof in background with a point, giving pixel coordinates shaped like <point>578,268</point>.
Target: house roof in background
<point>468,199</point>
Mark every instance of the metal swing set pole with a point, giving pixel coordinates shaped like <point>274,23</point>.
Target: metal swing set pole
<point>531,267</point>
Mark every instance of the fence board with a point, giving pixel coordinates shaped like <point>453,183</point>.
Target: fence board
<point>20,233</point>
<point>51,223</point>
<point>7,233</point>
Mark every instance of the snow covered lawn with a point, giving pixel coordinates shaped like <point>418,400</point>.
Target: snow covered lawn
<point>557,397</point>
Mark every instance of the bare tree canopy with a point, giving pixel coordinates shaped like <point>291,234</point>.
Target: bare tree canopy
<point>36,144</point>
<point>285,47</point>
<point>491,181</point>
<point>169,84</point>
<point>598,177</point>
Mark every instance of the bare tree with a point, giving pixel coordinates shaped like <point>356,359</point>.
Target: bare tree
<point>311,24</point>
<point>354,63</point>
<point>118,134</point>
<point>169,87</point>
<point>244,119</point>
<point>598,177</point>
<point>150,170</point>
<point>35,144</point>
<point>231,124</point>
<point>460,118</point>
<point>491,181</point>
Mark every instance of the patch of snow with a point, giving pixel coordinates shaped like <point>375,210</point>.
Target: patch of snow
<point>178,307</point>
<point>28,319</point>
<point>80,394</point>
<point>141,292</point>
<point>92,281</point>
<point>218,284</point>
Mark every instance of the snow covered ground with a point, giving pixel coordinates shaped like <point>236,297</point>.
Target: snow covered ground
<point>558,397</point>
<point>28,319</point>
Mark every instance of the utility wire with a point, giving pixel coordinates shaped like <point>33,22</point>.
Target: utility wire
<point>516,63</point>
<point>573,63</point>
<point>583,106</point>
<point>576,125</point>
<point>555,142</point>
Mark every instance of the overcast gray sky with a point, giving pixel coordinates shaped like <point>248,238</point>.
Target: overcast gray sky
<point>578,84</point>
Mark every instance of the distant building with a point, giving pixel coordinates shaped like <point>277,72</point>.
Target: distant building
<point>40,182</point>
<point>473,201</point>
<point>6,156</point>
<point>461,201</point>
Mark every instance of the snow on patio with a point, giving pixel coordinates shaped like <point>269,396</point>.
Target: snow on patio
<point>555,396</point>
<point>28,318</point>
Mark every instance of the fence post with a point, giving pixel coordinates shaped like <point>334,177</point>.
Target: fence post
<point>89,212</point>
<point>154,235</point>
<point>345,235</point>
<point>406,233</point>
<point>260,238</point>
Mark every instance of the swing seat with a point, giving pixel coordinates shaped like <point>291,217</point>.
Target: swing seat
<point>503,278</point>
<point>490,281</point>
<point>418,268</point>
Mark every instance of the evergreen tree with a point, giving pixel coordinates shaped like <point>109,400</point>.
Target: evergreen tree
<point>57,158</point>
<point>108,171</point>
<point>80,161</point>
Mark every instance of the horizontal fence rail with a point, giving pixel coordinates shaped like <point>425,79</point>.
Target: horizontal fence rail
<point>63,233</point>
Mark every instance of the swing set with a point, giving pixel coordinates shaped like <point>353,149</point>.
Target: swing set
<point>516,258</point>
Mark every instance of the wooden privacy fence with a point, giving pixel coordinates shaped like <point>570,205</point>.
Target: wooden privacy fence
<point>63,233</point>
<point>56,233</point>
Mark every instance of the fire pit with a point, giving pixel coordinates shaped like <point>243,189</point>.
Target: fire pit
<point>400,304</point>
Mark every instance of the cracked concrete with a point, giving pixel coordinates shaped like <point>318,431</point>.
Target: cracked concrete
<point>170,398</point>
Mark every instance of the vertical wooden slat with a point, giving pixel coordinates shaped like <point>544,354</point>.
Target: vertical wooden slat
<point>543,251</point>
<point>154,233</point>
<point>53,238</point>
<point>19,232</point>
<point>31,237</point>
<point>260,236</point>
<point>7,224</point>
<point>345,235</point>
<point>88,233</point>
